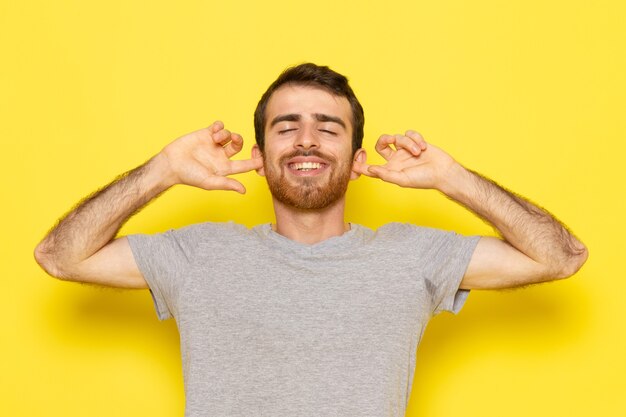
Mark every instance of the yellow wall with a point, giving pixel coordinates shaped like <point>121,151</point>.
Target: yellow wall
<point>528,92</point>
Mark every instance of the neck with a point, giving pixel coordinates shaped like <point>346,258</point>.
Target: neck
<point>310,226</point>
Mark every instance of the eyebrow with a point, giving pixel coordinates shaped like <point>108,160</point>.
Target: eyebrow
<point>320,117</point>
<point>327,118</point>
<point>285,118</point>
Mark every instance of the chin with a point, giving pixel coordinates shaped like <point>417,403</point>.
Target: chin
<point>308,196</point>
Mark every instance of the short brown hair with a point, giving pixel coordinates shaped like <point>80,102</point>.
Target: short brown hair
<point>313,76</point>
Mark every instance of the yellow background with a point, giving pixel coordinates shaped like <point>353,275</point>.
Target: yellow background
<point>530,93</point>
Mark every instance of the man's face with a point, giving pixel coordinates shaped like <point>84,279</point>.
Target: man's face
<point>308,146</point>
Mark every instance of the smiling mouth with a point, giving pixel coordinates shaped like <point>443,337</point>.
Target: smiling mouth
<point>305,166</point>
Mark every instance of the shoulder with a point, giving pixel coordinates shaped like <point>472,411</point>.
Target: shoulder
<point>207,228</point>
<point>409,231</point>
<point>191,236</point>
<point>201,233</point>
<point>420,238</point>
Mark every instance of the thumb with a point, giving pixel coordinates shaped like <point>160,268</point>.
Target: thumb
<point>385,174</point>
<point>361,168</point>
<point>224,183</point>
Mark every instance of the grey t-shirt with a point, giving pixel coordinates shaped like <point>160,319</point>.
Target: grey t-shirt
<point>273,327</point>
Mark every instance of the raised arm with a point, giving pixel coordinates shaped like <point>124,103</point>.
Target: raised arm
<point>535,246</point>
<point>82,245</point>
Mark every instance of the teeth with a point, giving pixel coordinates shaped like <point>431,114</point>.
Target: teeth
<point>306,166</point>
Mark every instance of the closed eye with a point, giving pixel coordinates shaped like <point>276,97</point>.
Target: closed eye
<point>285,131</point>
<point>329,132</point>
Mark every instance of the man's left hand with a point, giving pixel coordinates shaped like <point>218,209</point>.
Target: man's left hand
<point>411,162</point>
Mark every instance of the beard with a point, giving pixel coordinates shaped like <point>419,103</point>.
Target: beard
<point>308,193</point>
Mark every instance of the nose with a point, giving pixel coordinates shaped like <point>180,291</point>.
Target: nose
<point>306,139</point>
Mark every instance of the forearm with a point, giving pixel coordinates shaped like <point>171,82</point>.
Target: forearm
<point>525,226</point>
<point>96,220</point>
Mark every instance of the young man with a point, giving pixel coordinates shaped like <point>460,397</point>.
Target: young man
<point>309,316</point>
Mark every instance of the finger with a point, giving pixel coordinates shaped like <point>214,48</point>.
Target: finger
<point>245,165</point>
<point>405,142</point>
<point>387,175</point>
<point>223,183</point>
<point>216,126</point>
<point>233,185</point>
<point>361,168</point>
<point>383,148</point>
<point>222,137</point>
<point>418,138</point>
<point>234,146</point>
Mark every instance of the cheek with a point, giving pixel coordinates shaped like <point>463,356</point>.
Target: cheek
<point>345,153</point>
<point>277,148</point>
<point>336,145</point>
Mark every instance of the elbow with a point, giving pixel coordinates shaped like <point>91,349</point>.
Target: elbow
<point>572,264</point>
<point>45,258</point>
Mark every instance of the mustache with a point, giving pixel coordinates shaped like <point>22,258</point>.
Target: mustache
<point>308,152</point>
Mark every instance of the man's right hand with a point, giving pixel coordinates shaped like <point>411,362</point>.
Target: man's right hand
<point>203,159</point>
<point>82,246</point>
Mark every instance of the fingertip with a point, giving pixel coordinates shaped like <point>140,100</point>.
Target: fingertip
<point>221,136</point>
<point>238,187</point>
<point>217,125</point>
<point>358,167</point>
<point>237,140</point>
<point>373,170</point>
<point>364,169</point>
<point>419,139</point>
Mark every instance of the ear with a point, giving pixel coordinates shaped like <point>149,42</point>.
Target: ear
<point>256,153</point>
<point>360,157</point>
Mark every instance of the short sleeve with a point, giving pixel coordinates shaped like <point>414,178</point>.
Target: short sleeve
<point>452,253</point>
<point>164,259</point>
<point>439,258</point>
